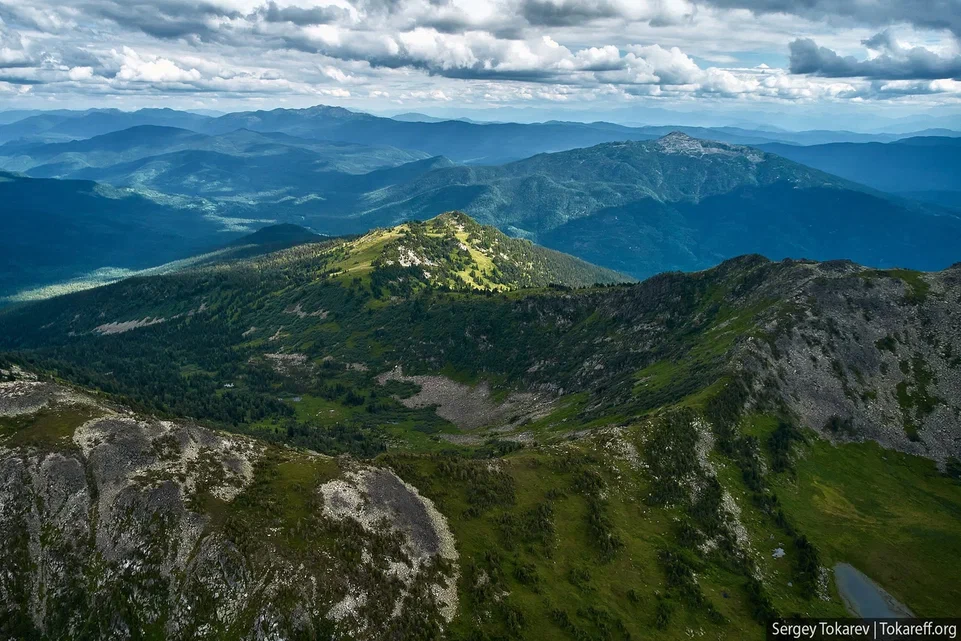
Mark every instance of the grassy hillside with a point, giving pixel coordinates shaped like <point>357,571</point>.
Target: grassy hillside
<point>452,251</point>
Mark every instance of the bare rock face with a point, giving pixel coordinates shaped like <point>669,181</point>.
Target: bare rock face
<point>21,393</point>
<point>860,354</point>
<point>376,497</point>
<point>134,524</point>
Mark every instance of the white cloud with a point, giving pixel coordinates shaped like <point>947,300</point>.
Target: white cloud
<point>368,53</point>
<point>80,73</point>
<point>153,69</point>
<point>10,57</point>
<point>336,74</point>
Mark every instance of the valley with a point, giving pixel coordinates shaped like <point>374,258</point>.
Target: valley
<point>642,207</point>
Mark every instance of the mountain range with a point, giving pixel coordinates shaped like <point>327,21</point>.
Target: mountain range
<point>118,151</point>
<point>461,140</point>
<point>637,207</point>
<point>65,125</point>
<point>676,203</point>
<point>317,374</point>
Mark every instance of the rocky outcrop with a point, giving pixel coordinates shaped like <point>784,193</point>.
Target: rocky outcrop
<point>860,354</point>
<point>171,527</point>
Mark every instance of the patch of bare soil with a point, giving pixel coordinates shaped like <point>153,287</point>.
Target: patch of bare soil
<point>297,311</point>
<point>287,364</point>
<point>119,327</point>
<point>126,326</point>
<point>462,439</point>
<point>470,407</point>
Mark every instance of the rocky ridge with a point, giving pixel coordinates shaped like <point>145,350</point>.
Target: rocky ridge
<point>169,526</point>
<point>857,354</point>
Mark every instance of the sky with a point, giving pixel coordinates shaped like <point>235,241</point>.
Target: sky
<point>797,63</point>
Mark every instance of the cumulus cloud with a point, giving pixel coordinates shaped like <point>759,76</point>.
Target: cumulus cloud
<point>80,73</point>
<point>303,16</point>
<point>153,69</point>
<point>926,14</point>
<point>13,53</point>
<point>478,55</point>
<point>893,62</point>
<point>499,51</point>
<point>896,88</point>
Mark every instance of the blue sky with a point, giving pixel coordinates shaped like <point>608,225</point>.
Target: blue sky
<point>792,62</point>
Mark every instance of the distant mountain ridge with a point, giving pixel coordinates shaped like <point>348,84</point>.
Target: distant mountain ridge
<point>637,207</point>
<point>922,167</point>
<point>107,157</point>
<point>679,203</point>
<point>66,125</point>
<point>632,202</point>
<point>672,168</point>
<point>460,139</point>
<point>278,234</point>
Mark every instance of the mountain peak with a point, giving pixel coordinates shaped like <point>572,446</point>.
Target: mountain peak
<point>678,142</point>
<point>676,135</point>
<point>452,250</point>
<point>456,219</point>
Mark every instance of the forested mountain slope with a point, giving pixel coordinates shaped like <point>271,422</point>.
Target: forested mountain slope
<point>690,453</point>
<point>678,203</point>
<point>53,230</point>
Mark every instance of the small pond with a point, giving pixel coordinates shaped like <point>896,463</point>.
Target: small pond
<point>865,598</point>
